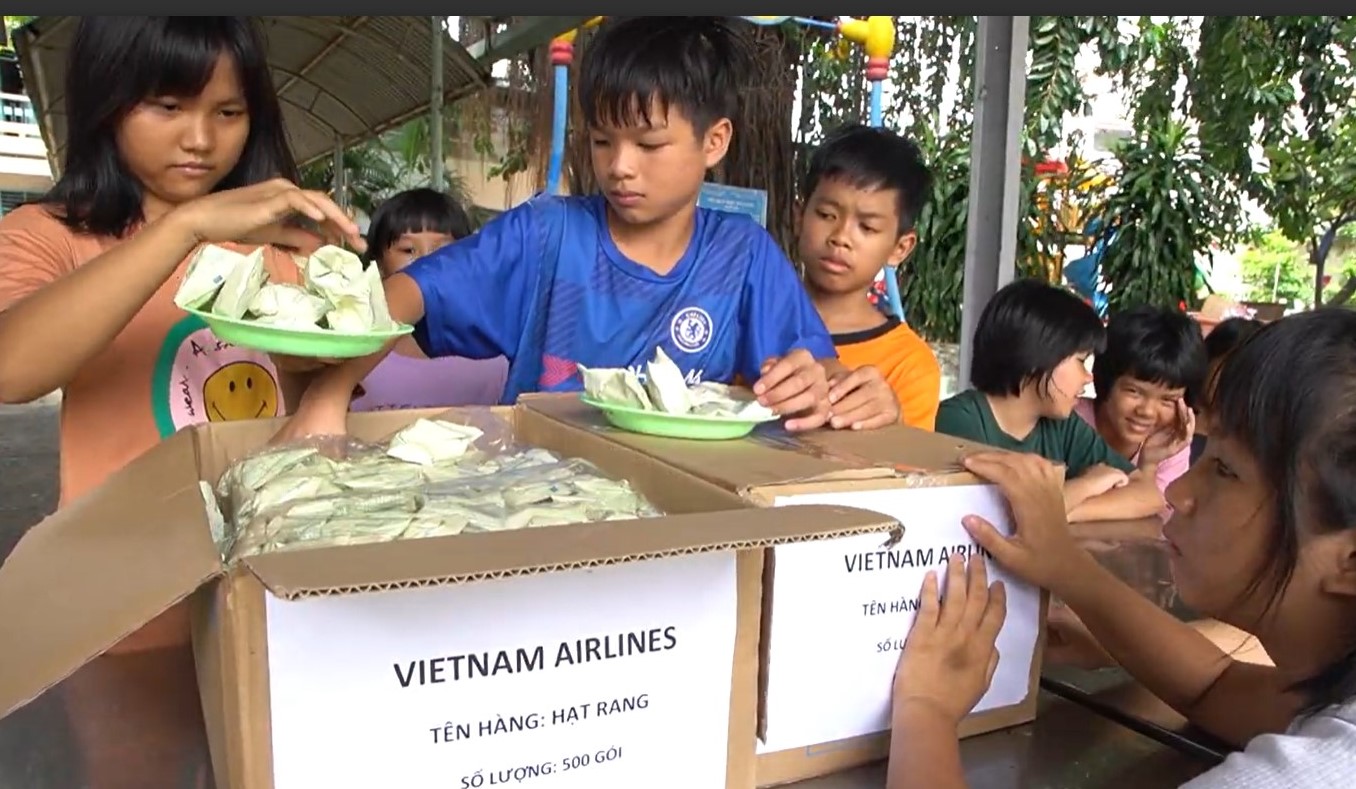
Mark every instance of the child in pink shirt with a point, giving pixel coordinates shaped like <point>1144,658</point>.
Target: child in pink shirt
<point>1153,366</point>
<point>405,227</point>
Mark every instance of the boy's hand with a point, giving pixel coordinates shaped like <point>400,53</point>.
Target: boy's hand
<point>795,385</point>
<point>861,399</point>
<point>950,655</point>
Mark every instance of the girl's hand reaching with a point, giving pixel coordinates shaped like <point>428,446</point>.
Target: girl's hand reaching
<point>258,214</point>
<point>950,655</point>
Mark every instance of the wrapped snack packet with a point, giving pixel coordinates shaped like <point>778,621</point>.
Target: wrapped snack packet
<point>244,281</point>
<point>336,273</point>
<point>666,385</point>
<point>350,315</point>
<point>381,313</point>
<point>666,390</point>
<point>429,441</point>
<point>205,275</point>
<point>615,385</point>
<point>287,305</point>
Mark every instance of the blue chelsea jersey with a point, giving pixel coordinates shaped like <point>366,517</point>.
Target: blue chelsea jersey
<point>545,285</point>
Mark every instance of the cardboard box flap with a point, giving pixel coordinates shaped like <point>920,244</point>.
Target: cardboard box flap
<point>472,557</point>
<point>771,456</point>
<point>100,568</point>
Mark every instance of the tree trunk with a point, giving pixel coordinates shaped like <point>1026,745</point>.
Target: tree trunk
<point>1318,255</point>
<point>1344,295</point>
<point>1319,259</point>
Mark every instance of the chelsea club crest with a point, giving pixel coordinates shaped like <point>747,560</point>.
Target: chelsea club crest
<point>691,329</point>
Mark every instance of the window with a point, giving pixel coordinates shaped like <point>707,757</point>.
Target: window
<point>12,200</point>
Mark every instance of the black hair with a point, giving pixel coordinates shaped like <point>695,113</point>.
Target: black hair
<point>1152,344</point>
<point>116,62</point>
<point>1026,330</point>
<point>1288,394</point>
<point>420,210</point>
<point>1227,334</point>
<point>866,157</point>
<point>694,64</point>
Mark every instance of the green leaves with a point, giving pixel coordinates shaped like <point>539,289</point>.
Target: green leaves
<point>1171,208</point>
<point>931,280</point>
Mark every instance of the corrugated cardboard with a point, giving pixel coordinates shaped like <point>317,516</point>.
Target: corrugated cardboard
<point>96,571</point>
<point>772,464</point>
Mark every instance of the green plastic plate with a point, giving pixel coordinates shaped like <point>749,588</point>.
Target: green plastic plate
<point>658,423</point>
<point>317,343</point>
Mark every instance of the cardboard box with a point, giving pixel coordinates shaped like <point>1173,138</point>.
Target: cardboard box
<point>589,651</point>
<point>836,612</point>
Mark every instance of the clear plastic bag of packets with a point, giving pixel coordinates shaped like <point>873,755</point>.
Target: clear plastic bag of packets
<point>430,479</point>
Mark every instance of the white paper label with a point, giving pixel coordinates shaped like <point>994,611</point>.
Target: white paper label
<point>587,678</point>
<point>841,610</point>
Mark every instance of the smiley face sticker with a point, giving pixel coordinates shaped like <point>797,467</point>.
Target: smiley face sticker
<point>240,390</point>
<point>198,378</point>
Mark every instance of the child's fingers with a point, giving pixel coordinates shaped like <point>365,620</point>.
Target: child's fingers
<point>928,606</point>
<point>995,612</point>
<point>851,383</point>
<point>953,601</point>
<point>775,371</point>
<point>976,592</point>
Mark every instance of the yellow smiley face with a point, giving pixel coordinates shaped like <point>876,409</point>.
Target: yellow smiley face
<point>240,390</point>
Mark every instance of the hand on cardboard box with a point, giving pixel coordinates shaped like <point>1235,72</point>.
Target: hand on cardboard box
<point>795,386</point>
<point>862,399</point>
<point>950,655</point>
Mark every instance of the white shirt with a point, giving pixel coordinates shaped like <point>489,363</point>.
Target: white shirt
<point>1314,753</point>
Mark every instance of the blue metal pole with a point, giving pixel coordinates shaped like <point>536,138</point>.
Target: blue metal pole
<point>559,116</point>
<point>893,300</point>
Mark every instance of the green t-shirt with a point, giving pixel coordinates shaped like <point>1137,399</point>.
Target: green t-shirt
<point>1071,441</point>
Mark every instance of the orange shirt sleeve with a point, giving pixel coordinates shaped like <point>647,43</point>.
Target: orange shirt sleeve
<point>35,251</point>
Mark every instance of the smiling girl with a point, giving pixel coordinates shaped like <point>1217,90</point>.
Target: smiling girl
<point>175,139</point>
<point>1153,366</point>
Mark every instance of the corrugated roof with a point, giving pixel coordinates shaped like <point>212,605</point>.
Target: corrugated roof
<point>338,77</point>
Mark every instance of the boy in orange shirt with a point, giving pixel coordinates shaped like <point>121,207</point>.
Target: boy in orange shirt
<point>863,193</point>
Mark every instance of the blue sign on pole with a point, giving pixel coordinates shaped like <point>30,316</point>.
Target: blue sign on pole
<point>735,199</point>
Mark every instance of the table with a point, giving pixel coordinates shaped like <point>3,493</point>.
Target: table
<point>1068,746</point>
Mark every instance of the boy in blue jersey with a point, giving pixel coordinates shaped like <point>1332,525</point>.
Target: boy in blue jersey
<point>603,280</point>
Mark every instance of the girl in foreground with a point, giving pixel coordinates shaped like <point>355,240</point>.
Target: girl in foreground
<point>407,226</point>
<point>175,139</point>
<point>1262,537</point>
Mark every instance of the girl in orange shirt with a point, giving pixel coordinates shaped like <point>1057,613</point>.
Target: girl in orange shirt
<point>175,139</point>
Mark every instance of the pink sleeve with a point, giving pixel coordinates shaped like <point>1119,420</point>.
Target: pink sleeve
<point>1173,467</point>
